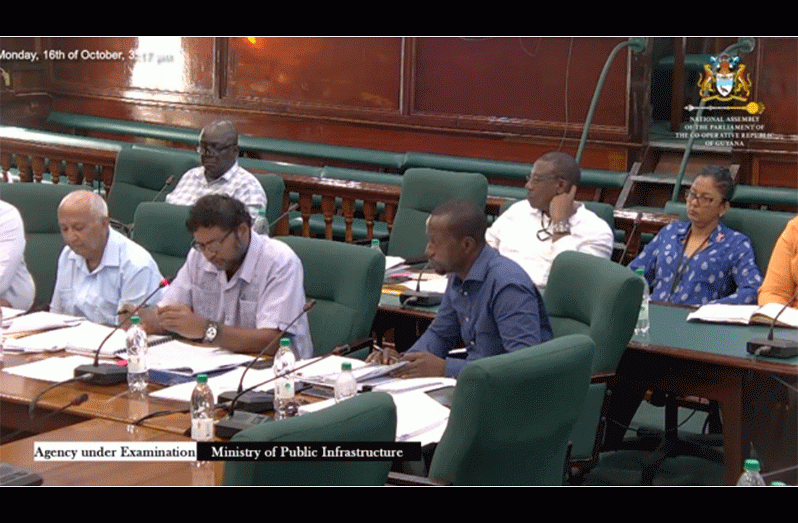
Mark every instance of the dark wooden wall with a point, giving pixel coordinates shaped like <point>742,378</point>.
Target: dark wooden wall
<point>507,98</point>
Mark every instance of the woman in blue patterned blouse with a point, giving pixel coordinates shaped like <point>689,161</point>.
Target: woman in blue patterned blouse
<point>702,261</point>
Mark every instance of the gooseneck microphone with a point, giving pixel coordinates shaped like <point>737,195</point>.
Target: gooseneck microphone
<point>419,297</point>
<point>777,348</point>
<point>169,181</point>
<point>111,373</point>
<point>260,401</point>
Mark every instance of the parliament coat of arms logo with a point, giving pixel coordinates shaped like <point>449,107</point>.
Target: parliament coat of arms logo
<point>725,79</point>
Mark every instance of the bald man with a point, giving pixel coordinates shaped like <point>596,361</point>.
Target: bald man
<point>219,172</point>
<point>99,269</point>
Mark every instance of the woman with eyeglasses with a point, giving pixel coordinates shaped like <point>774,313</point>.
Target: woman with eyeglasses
<point>701,260</point>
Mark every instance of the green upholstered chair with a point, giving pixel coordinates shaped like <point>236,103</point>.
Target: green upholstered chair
<point>366,417</point>
<point>274,186</point>
<point>589,295</point>
<point>160,228</point>
<point>762,227</point>
<point>422,190</point>
<point>513,414</point>
<point>139,175</point>
<point>346,282</point>
<point>38,205</point>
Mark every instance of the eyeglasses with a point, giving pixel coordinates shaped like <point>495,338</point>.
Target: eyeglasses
<point>212,150</point>
<point>702,199</point>
<point>212,246</point>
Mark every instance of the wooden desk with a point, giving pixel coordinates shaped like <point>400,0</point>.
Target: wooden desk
<point>113,403</point>
<point>99,473</point>
<point>706,360</point>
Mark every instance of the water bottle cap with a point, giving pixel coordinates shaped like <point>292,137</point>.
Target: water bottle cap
<point>202,378</point>
<point>375,241</point>
<point>284,342</point>
<point>751,464</point>
<point>347,365</point>
<point>135,319</point>
<point>640,271</point>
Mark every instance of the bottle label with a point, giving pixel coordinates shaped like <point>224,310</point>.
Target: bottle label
<point>202,429</point>
<point>284,390</point>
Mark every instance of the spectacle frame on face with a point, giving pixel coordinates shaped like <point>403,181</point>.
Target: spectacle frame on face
<point>701,199</point>
<point>212,246</point>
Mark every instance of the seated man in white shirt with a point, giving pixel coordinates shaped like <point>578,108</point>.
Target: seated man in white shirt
<point>219,172</point>
<point>99,269</point>
<point>17,289</point>
<point>237,290</point>
<point>534,231</point>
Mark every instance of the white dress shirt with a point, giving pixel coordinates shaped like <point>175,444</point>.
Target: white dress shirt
<point>267,291</point>
<point>514,234</point>
<point>16,283</point>
<point>126,274</point>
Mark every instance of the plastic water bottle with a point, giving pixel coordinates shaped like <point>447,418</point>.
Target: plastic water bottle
<point>283,366</point>
<point>375,244</point>
<point>345,384</point>
<point>136,343</point>
<point>751,476</point>
<point>641,329</point>
<point>202,408</point>
<point>261,224</point>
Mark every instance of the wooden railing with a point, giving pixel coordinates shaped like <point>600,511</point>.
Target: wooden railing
<point>35,154</point>
<point>349,192</point>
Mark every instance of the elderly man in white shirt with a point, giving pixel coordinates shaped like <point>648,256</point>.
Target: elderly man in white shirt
<point>99,270</point>
<point>534,231</point>
<point>219,172</point>
<point>17,289</point>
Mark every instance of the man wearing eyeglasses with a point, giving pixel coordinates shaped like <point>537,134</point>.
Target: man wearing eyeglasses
<point>219,172</point>
<point>99,269</point>
<point>534,231</point>
<point>237,290</point>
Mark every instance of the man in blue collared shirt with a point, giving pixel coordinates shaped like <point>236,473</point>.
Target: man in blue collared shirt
<point>99,269</point>
<point>490,305</point>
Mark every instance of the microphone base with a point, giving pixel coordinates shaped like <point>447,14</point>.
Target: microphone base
<point>103,373</point>
<point>229,426</point>
<point>420,298</point>
<point>775,348</point>
<point>249,401</point>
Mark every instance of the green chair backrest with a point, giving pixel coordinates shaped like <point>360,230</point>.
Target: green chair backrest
<point>586,294</point>
<point>274,187</point>
<point>762,227</point>
<point>139,175</point>
<point>160,228</point>
<point>512,416</point>
<point>369,417</point>
<point>346,282</point>
<point>38,205</point>
<point>422,190</point>
<point>589,295</point>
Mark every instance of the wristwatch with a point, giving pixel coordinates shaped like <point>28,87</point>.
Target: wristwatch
<point>211,332</point>
<point>561,227</point>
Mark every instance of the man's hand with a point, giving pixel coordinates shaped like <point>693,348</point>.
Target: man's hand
<point>561,207</point>
<point>182,320</point>
<point>382,357</point>
<point>421,365</point>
